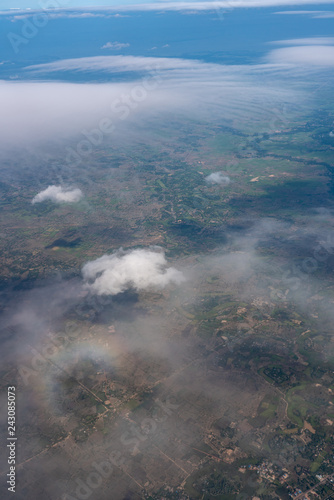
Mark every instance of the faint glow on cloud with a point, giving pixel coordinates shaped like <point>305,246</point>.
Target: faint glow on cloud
<point>58,194</point>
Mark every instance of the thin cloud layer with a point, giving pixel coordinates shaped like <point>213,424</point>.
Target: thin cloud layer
<point>308,55</point>
<point>218,178</point>
<point>314,14</point>
<point>321,40</point>
<point>214,5</point>
<point>55,111</point>
<point>185,6</point>
<point>140,269</point>
<point>58,111</point>
<point>120,64</point>
<point>115,45</point>
<point>58,194</point>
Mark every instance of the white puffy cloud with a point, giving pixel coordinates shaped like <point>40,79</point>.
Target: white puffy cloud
<point>115,45</point>
<point>218,178</point>
<point>140,269</point>
<point>58,194</point>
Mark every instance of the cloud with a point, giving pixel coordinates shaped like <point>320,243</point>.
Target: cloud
<point>315,14</point>
<point>115,45</point>
<point>61,13</point>
<point>140,269</point>
<point>183,6</point>
<point>214,5</point>
<point>324,15</point>
<point>120,64</point>
<point>316,51</point>
<point>68,15</point>
<point>40,111</point>
<point>218,178</point>
<point>322,40</point>
<point>309,55</point>
<point>58,194</point>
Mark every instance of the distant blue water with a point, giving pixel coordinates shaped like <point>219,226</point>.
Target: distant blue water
<point>235,37</point>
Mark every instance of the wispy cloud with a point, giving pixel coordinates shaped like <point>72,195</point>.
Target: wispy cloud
<point>213,5</point>
<point>119,64</point>
<point>321,40</point>
<point>245,94</point>
<point>315,14</point>
<point>115,45</point>
<point>58,194</point>
<point>183,6</point>
<point>69,15</point>
<point>308,55</point>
